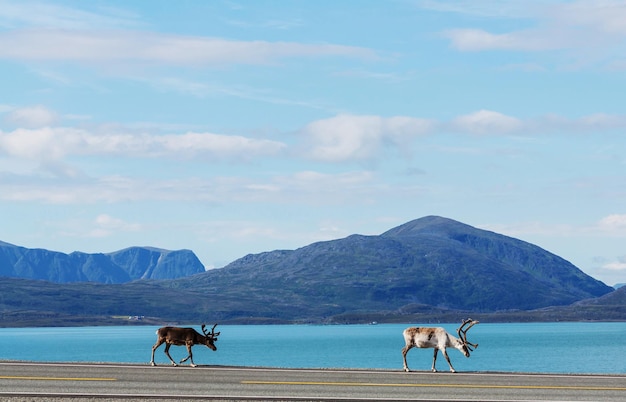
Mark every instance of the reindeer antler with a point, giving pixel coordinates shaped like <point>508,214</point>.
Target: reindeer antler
<point>463,332</point>
<point>213,334</point>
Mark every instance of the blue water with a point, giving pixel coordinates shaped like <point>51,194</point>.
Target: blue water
<point>535,347</point>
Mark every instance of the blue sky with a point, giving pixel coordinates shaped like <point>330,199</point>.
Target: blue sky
<point>235,127</point>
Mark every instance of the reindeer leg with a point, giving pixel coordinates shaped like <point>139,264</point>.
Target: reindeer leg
<point>167,353</point>
<point>445,354</point>
<point>433,369</point>
<point>154,348</point>
<point>405,350</point>
<point>190,356</point>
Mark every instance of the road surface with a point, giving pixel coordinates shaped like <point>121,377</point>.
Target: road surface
<point>127,382</point>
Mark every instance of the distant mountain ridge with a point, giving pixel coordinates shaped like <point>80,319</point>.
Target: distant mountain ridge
<point>431,269</point>
<point>111,268</point>
<point>552,272</point>
<point>431,261</point>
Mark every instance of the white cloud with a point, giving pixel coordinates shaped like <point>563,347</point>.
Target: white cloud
<point>32,117</point>
<point>612,225</point>
<point>337,139</point>
<point>615,222</point>
<point>345,137</point>
<point>107,189</point>
<point>106,225</point>
<point>311,181</point>
<point>350,137</point>
<point>42,14</point>
<point>487,122</point>
<point>39,144</point>
<point>609,270</point>
<point>615,266</point>
<point>306,187</point>
<point>148,47</point>
<point>219,146</point>
<point>593,31</point>
<point>607,16</point>
<point>485,8</point>
<point>601,121</point>
<point>56,143</point>
<point>478,39</point>
<point>596,123</point>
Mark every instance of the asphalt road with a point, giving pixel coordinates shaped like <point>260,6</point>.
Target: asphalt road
<point>125,382</point>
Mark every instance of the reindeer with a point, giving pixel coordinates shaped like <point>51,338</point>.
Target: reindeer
<point>438,339</point>
<point>184,336</point>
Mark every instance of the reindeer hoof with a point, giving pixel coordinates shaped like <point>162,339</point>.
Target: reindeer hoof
<point>193,365</point>
<point>407,370</point>
<point>174,364</point>
<point>152,363</point>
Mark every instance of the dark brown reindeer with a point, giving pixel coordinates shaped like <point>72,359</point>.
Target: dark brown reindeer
<point>183,336</point>
<point>439,339</point>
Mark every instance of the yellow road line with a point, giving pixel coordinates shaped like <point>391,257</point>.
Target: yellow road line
<point>370,384</point>
<point>9,377</point>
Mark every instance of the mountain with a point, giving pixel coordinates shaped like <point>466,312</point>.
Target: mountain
<point>154,263</point>
<point>117,267</point>
<point>430,261</point>
<point>432,269</point>
<point>476,258</point>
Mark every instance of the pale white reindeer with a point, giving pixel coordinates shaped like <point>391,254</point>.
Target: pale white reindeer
<point>439,339</point>
<point>184,336</point>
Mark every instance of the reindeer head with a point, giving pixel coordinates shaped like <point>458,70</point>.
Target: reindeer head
<point>466,346</point>
<point>463,348</point>
<point>210,338</point>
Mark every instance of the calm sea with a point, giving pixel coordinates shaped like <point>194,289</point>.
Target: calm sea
<point>538,347</point>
